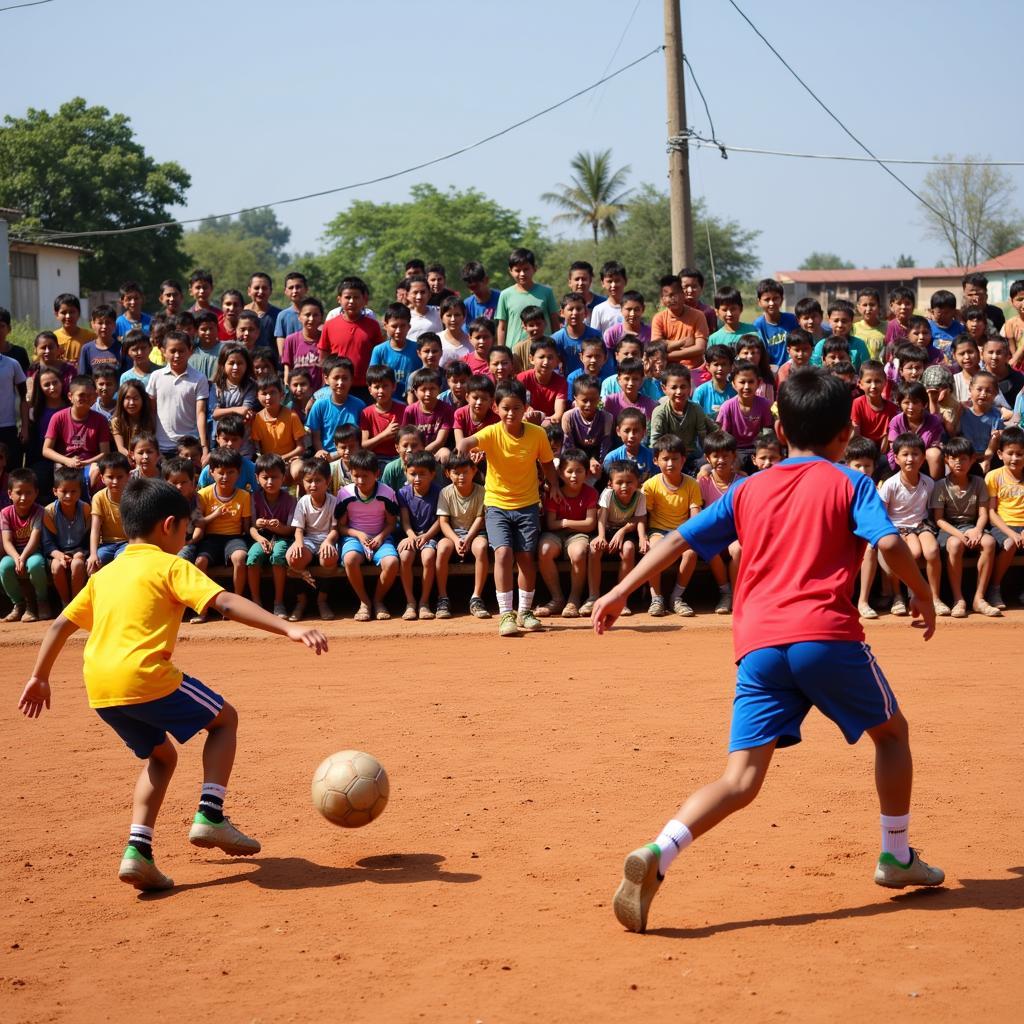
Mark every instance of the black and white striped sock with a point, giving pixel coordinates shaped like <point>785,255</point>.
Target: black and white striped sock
<point>211,802</point>
<point>141,837</point>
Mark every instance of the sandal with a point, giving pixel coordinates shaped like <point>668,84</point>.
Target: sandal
<point>570,611</point>
<point>959,610</point>
<point>15,614</point>
<point>381,614</point>
<point>866,611</point>
<point>363,615</point>
<point>409,615</point>
<point>553,607</point>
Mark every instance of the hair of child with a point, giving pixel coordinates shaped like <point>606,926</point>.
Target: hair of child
<point>424,376</point>
<point>80,382</point>
<point>585,382</point>
<point>913,391</point>
<point>834,345</point>
<point>268,462</point>
<point>902,294</point>
<point>592,343</point>
<point>270,383</point>
<point>957,446</point>
<point>910,440</point>
<point>415,266</point>
<point>300,374</point>
<point>5,316</point>
<point>379,373</point>
<point>613,268</point>
<point>656,348</point>
<point>363,459</point>
<point>66,299</point>
<point>719,441</point>
<point>182,338</point>
<point>629,367</point>
<point>769,286</point>
<point>797,337</point>
<point>406,430</point>
<point>249,316</point>
<point>225,458</point>
<point>202,316</point>
<point>232,293</point>
<point>720,354</point>
<point>634,296</point>
<point>669,443</point>
<point>628,339</point>
<point>417,279</point>
<point>814,407</point>
<point>997,339</point>
<point>102,312</point>
<point>436,268</point>
<point>231,425</point>
<point>456,369</point>
<point>973,313</point>
<point>422,460</point>
<point>676,370</point>
<point>844,368</point>
<point>668,281</point>
<point>691,272</point>
<point>179,464</point>
<point>861,448</point>
<point>25,476</point>
<point>542,343</point>
<point>871,366</point>
<point>105,373</point>
<point>66,475</point>
<point>984,375</point>
<point>472,272</point>
<point>482,323</point>
<point>1011,435</point>
<point>113,460</point>
<point>728,296</point>
<point>744,366</point>
<point>458,460</point>
<point>450,302</point>
<point>310,300</point>
<point>353,284</point>
<point>396,311</point>
<point>619,466</point>
<point>942,299</point>
<point>345,432</point>
<point>574,455</point>
<point>1016,287</point>
<point>587,268</point>
<point>532,314</point>
<point>572,297</point>
<point>509,389</point>
<point>555,435</point>
<point>842,306</point>
<point>171,282</point>
<point>766,438</point>
<point>480,382</point>
<point>332,362</point>
<point>200,276</point>
<point>186,321</point>
<point>869,293</point>
<point>188,441</point>
<point>631,414</point>
<point>147,502</point>
<point>975,279</point>
<point>519,256</point>
<point>144,437</point>
<point>427,338</point>
<point>807,306</point>
<point>908,352</point>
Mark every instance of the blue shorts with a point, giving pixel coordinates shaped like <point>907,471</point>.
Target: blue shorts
<point>108,552</point>
<point>777,686</point>
<point>515,528</point>
<point>183,713</point>
<point>386,550</point>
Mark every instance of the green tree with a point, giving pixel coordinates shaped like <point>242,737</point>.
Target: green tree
<point>374,240</point>
<point>81,169</point>
<point>595,197</point>
<point>825,261</point>
<point>903,260</point>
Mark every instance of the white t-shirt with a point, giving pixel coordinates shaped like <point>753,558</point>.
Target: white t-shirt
<point>429,321</point>
<point>907,506</point>
<point>177,400</point>
<point>11,375</point>
<point>617,515</point>
<point>337,311</point>
<point>605,315</point>
<point>315,523</point>
<point>452,353</point>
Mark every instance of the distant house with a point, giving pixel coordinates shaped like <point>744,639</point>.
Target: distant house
<point>826,285</point>
<point>33,273</point>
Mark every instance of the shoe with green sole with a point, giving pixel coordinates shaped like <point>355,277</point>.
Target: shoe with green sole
<point>221,835</point>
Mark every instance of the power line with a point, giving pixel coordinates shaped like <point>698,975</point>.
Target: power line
<point>700,92</point>
<point>55,235</point>
<point>629,21</point>
<point>34,3</point>
<point>835,117</point>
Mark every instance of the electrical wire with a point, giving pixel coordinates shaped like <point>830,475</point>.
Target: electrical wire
<point>835,117</point>
<point>622,37</point>
<point>56,235</point>
<point>700,92</point>
<point>34,3</point>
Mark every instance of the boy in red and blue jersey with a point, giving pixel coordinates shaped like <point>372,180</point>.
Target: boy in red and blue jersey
<point>798,639</point>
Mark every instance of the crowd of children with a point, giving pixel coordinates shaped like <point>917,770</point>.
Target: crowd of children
<point>513,431</point>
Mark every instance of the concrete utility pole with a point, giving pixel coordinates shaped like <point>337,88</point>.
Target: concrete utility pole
<point>680,217</point>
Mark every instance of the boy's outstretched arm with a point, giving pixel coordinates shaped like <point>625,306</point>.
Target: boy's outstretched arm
<point>898,558</point>
<point>36,694</point>
<point>660,557</point>
<point>241,609</point>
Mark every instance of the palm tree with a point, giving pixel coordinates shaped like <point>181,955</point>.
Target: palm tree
<point>593,196</point>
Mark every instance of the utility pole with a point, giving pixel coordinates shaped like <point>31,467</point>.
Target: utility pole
<point>680,218</point>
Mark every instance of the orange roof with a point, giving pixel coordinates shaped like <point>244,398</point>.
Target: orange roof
<point>1012,260</point>
<point>877,275</point>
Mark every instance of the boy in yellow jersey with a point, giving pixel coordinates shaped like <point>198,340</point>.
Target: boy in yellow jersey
<point>513,450</point>
<point>134,687</point>
<point>672,498</point>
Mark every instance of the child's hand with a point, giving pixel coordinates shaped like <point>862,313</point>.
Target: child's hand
<point>34,697</point>
<point>406,544</point>
<point>1017,538</point>
<point>596,469</point>
<point>217,512</point>
<point>19,565</point>
<point>554,492</point>
<point>294,552</point>
<point>972,538</point>
<point>599,545</point>
<point>606,611</point>
<point>534,416</point>
<point>92,565</point>
<point>312,638</point>
<point>266,545</point>
<point>615,544</point>
<point>419,542</point>
<point>249,415</point>
<point>461,547</point>
<point>323,455</point>
<point>371,543</point>
<point>325,551</point>
<point>391,430</point>
<point>925,611</point>
<point>644,545</point>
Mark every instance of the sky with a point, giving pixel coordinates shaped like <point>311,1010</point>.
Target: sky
<point>367,89</point>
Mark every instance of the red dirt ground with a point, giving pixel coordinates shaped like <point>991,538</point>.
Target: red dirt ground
<point>521,773</point>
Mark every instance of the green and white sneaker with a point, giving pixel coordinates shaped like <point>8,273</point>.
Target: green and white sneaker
<point>221,835</point>
<point>507,624</point>
<point>528,622</point>
<point>640,882</point>
<point>894,875</point>
<point>142,872</point>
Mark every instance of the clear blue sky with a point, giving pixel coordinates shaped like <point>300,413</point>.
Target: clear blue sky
<point>293,98</point>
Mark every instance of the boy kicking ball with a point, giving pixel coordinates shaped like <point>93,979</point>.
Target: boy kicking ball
<point>798,640</point>
<point>132,611</point>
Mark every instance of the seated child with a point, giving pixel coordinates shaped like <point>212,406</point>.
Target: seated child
<point>655,361</point>
<point>316,534</point>
<point>398,352</point>
<point>48,357</point>
<point>334,408</point>
<point>535,324</point>
<point>840,319</point>
<point>78,436</point>
<point>137,348</point>
<point>960,507</point>
<point>629,375</point>
<point>366,513</point>
<point>104,351</point>
<point>631,427</point>
<point>106,382</point>
<point>226,512</point>
<point>272,532</point>
<point>938,384</point>
<point>678,416</point>
<point>753,350</point>
<point>478,412</point>
<point>716,390</point>
<point>767,451</point>
<point>410,440</point>
<point>915,419</point>
<point>379,423</point>
<point>417,509</point>
<point>145,456</point>
<point>180,473</point>
<point>809,315</point>
<point>428,349</point>
<point>460,515</point>
<point>906,366</point>
<point>455,343</point>
<point>672,498</point>
<point>1006,489</point>
<point>457,375</point>
<point>570,522</point>
<point>21,528</point>
<point>190,448</point>
<point>628,347</point>
<point>870,328</point>
<point>594,362</point>
<point>980,421</point>
<point>574,331</point>
<point>433,418</point>
<point>276,430</point>
<point>231,435</point>
<point>482,338</point>
<point>500,366</point>
<point>720,449</point>
<point>621,514</point>
<point>862,456</point>
<point>906,497</point>
<point>106,534</point>
<point>746,415</point>
<point>546,389</point>
<point>66,533</point>
<point>586,426</point>
<point>871,413</point>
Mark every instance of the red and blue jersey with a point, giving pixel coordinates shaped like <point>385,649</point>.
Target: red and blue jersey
<point>803,526</point>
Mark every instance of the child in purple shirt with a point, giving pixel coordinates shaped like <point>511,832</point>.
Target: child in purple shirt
<point>746,415</point>
<point>914,418</point>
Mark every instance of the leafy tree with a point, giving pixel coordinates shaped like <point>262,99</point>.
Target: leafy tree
<point>974,200</point>
<point>825,261</point>
<point>904,260</point>
<point>594,197</point>
<point>374,240</point>
<point>81,169</point>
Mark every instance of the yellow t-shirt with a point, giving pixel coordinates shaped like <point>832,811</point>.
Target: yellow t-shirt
<point>668,509</point>
<point>278,436</point>
<point>511,481</point>
<point>236,508</point>
<point>873,337</point>
<point>71,344</point>
<point>156,357</point>
<point>109,512</point>
<point>132,610</point>
<point>1009,494</point>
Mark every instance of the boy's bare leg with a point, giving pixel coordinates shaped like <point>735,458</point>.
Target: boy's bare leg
<point>238,575</point>
<point>79,573</point>
<point>718,573</point>
<point>280,577</point>
<point>894,765</point>
<point>593,579</point>
<point>481,565</point>
<point>933,570</point>
<point>253,574</point>
<point>151,787</point>
<point>579,559</point>
<point>546,557</point>
<point>388,575</point>
<point>445,550</point>
<point>734,562</point>
<point>936,463</point>
<point>955,568</point>
<point>1003,562</point>
<point>406,557</point>
<point>428,556</point>
<point>868,568</point>
<point>353,570</point>
<point>220,746</point>
<point>59,575</point>
<point>986,560</point>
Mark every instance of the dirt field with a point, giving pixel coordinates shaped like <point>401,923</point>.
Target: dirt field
<point>521,773</point>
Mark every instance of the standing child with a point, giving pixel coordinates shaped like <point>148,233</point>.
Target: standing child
<point>906,497</point>
<point>417,509</point>
<point>535,325</point>
<point>901,309</point>
<point>478,412</point>
<point>773,325</point>
<point>522,265</point>
<point>513,450</point>
<point>613,281</point>
<point>546,389</point>
<point>960,507</point>
<point>106,392</point>
<point>456,376</point>
<point>629,376</point>
<point>870,328</point>
<point>106,533</point>
<point>716,390</point>
<point>945,327</point>
<point>170,296</point>
<point>69,336</point>
<point>809,316</point>
<point>481,337</point>
<point>137,347</point>
<point>678,416</point>
<point>300,350</point>
<point>180,395</point>
<point>683,329</point>
<point>798,642</point>
<point>316,535</point>
<point>206,354</point>
<point>272,531</point>
<point>570,520</point>
<point>594,362</point>
<point>48,399</point>
<point>132,319</point>
<point>729,309</point>
<point>200,287</point>
<point>14,408</point>
<point>460,515</point>
<point>66,534</point>
<point>22,568</point>
<point>720,449</point>
<point>632,321</point>
<point>397,351</point>
<point>353,333</point>
<point>621,514</point>
<point>48,357</point>
<point>1013,329</point>
<point>586,426</point>
<point>631,427</point>
<point>366,512</point>
<point>799,346</point>
<point>337,407</point>
<point>423,317</point>
<point>573,332</point>
<point>289,320</point>
<point>455,343</point>
<point>276,430</point>
<point>672,499</point>
<point>435,420</point>
<point>135,688</point>
<point>234,391</point>
<point>482,300</point>
<point>746,415</point>
<point>1006,489</point>
<point>840,318</point>
<point>691,280</point>
<point>104,351</point>
<point>980,422</point>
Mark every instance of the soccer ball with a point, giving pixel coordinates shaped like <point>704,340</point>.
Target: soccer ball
<point>350,788</point>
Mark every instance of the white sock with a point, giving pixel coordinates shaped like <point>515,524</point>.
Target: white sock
<point>895,836</point>
<point>504,601</point>
<point>677,592</point>
<point>525,600</point>
<point>675,837</point>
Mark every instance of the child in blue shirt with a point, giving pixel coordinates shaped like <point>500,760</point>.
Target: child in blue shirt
<point>231,434</point>
<point>714,393</point>
<point>631,426</point>
<point>574,331</point>
<point>420,532</point>
<point>337,407</point>
<point>773,325</point>
<point>132,318</point>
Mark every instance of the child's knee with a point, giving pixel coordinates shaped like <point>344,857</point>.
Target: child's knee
<point>166,753</point>
<point>988,542</point>
<point>227,718</point>
<point>353,560</point>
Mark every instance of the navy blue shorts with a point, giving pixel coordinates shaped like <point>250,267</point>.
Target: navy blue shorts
<point>183,713</point>
<point>777,686</point>
<point>515,528</point>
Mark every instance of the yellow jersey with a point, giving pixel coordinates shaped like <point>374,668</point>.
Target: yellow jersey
<point>668,508</point>
<point>511,480</point>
